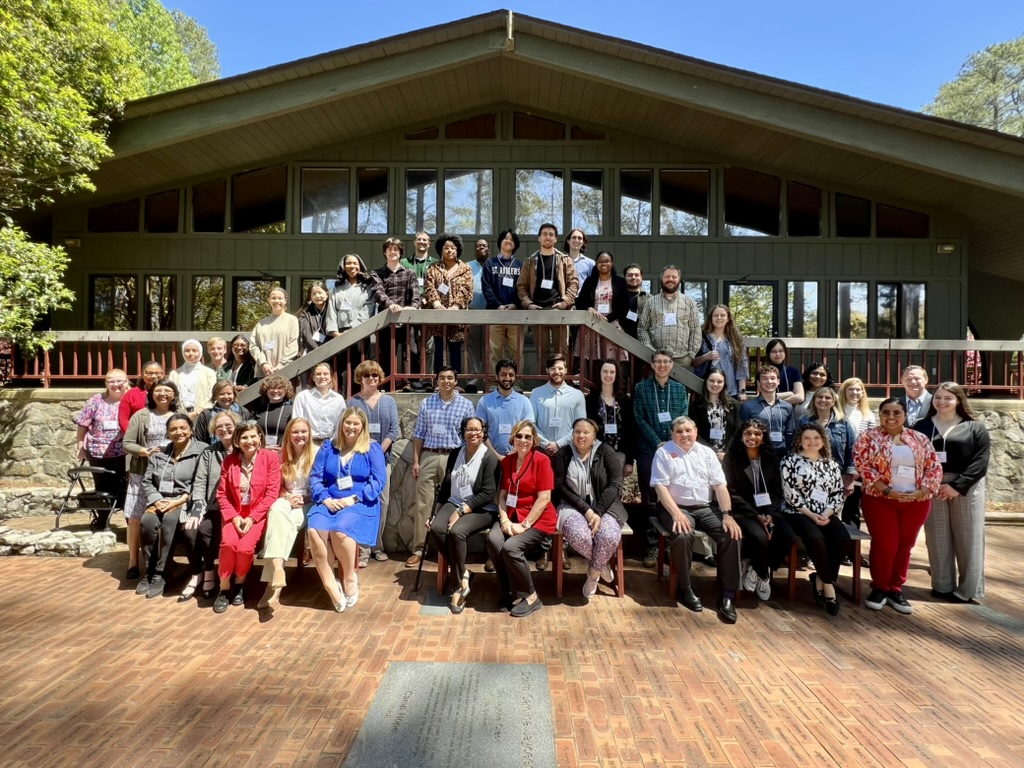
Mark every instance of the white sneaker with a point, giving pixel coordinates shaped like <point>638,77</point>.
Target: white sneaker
<point>607,574</point>
<point>764,588</point>
<point>589,587</point>
<point>749,577</point>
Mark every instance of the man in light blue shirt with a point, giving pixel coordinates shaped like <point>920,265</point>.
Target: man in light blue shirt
<point>476,361</point>
<point>503,408</point>
<point>556,406</point>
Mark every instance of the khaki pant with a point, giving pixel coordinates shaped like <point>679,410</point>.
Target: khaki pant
<point>432,466</point>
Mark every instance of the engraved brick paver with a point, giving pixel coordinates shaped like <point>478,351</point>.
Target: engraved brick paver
<point>93,675</point>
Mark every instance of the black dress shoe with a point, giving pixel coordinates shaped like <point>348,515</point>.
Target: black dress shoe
<point>819,596</point>
<point>133,572</point>
<point>832,606</point>
<point>239,597</point>
<point>727,610</point>
<point>690,600</point>
<point>222,603</point>
<point>542,561</point>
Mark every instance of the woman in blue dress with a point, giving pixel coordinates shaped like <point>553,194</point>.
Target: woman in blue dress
<point>346,484</point>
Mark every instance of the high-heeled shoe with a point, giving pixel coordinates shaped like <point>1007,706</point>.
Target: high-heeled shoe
<point>342,604</point>
<point>351,600</point>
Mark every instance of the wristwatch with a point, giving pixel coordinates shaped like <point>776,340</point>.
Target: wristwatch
<point>887,491</point>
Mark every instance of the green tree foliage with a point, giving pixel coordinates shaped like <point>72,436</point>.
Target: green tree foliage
<point>30,286</point>
<point>158,51</point>
<point>988,91</point>
<point>201,52</point>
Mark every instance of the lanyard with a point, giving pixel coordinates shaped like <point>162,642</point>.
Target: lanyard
<point>944,435</point>
<point>668,396</point>
<point>521,473</point>
<point>758,474</point>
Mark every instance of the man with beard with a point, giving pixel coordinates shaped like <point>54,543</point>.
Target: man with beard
<point>548,280</point>
<point>670,320</point>
<point>637,297</point>
<point>419,262</point>
<point>503,408</point>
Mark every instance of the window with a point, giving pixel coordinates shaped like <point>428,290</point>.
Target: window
<point>427,134</point>
<point>208,206</point>
<point>684,203</point>
<point>372,211</point>
<point>533,128</point>
<point>698,291</point>
<point>801,310</point>
<point>162,212</point>
<point>900,310</point>
<point>467,201</point>
<point>114,302</point>
<point>207,303</point>
<point>479,128</point>
<point>258,200</point>
<point>116,217</point>
<point>853,216</point>
<point>752,203</point>
<point>539,197</point>
<point>753,307</point>
<point>587,201</point>
<point>898,222</point>
<point>325,201</point>
<point>420,200</point>
<point>803,210</point>
<point>251,294</point>
<point>635,204</point>
<point>852,310</point>
<point>161,303</point>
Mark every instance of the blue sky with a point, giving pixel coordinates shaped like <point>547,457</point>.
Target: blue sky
<point>897,52</point>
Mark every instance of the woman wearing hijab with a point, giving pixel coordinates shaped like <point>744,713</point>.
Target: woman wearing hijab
<point>195,381</point>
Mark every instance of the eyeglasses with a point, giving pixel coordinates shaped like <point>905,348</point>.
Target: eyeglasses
<point>662,362</point>
<point>116,382</point>
<point>371,375</point>
<point>475,430</point>
<point>521,436</point>
<point>225,428</point>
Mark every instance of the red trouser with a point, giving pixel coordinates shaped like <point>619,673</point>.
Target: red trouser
<point>894,526</point>
<point>237,552</point>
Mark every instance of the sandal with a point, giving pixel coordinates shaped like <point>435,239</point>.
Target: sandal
<point>364,561</point>
<point>380,555</point>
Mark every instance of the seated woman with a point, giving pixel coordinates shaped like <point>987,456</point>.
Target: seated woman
<point>824,409</point>
<point>346,482</point>
<point>223,400</point>
<point>526,517</point>
<point>167,486</point>
<point>195,381</point>
<point>812,488</point>
<point>249,482</point>
<point>274,409</point>
<point>287,515</point>
<point>465,503</point>
<point>202,528</point>
<point>752,477</point>
<point>715,414</point>
<point>588,483</point>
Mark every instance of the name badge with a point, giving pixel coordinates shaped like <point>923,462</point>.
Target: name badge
<point>664,417</point>
<point>906,472</point>
<point>420,281</point>
<point>548,284</point>
<point>555,421</point>
<point>717,434</point>
<point>941,456</point>
<point>762,500</point>
<point>319,338</point>
<point>819,496</point>
<point>670,318</point>
<point>505,428</point>
<point>611,429</point>
<point>466,491</point>
<point>269,344</point>
<point>271,440</point>
<point>437,429</point>
<point>775,436</point>
<point>166,486</point>
<point>375,427</point>
<point>506,281</point>
<point>443,289</point>
<point>345,482</point>
<point>245,499</point>
<point>604,309</point>
<point>631,315</point>
<point>113,426</point>
<point>511,500</point>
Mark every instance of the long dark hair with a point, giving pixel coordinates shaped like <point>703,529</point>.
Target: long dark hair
<point>247,357</point>
<point>619,389</point>
<point>724,396</point>
<point>738,451</point>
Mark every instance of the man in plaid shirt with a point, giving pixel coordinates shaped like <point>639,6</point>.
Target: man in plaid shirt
<point>394,288</point>
<point>671,320</point>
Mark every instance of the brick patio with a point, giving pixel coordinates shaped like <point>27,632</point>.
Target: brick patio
<point>93,675</point>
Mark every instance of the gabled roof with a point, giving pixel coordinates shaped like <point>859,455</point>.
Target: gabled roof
<point>706,109</point>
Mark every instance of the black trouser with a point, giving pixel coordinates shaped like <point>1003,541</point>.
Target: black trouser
<point>826,545</point>
<point>681,548</point>
<point>202,544</point>
<point>387,340</point>
<point>763,553</point>
<point>116,484</point>
<point>851,508</point>
<point>509,558</point>
<point>165,526</point>
<point>452,541</point>
<point>648,496</point>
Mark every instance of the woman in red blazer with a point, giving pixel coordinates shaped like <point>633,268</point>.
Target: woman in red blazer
<point>249,483</point>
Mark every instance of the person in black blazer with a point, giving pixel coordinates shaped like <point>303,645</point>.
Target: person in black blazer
<point>611,408</point>
<point>588,487</point>
<point>465,503</point>
<point>604,293</point>
<point>916,400</point>
<point>755,486</point>
<point>715,413</point>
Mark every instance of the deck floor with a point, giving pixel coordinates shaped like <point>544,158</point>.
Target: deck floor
<point>93,675</point>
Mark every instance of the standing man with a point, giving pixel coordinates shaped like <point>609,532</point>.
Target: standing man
<point>685,475</point>
<point>772,410</point>
<point>394,288</point>
<point>437,433</point>
<point>475,354</point>
<point>419,263</point>
<point>656,403</point>
<point>503,408</point>
<point>916,399</point>
<point>548,280</point>
<point>670,320</point>
<point>637,297</point>
<point>500,278</point>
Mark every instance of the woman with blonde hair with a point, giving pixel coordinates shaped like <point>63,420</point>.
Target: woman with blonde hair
<point>853,400</point>
<point>287,515</point>
<point>346,483</point>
